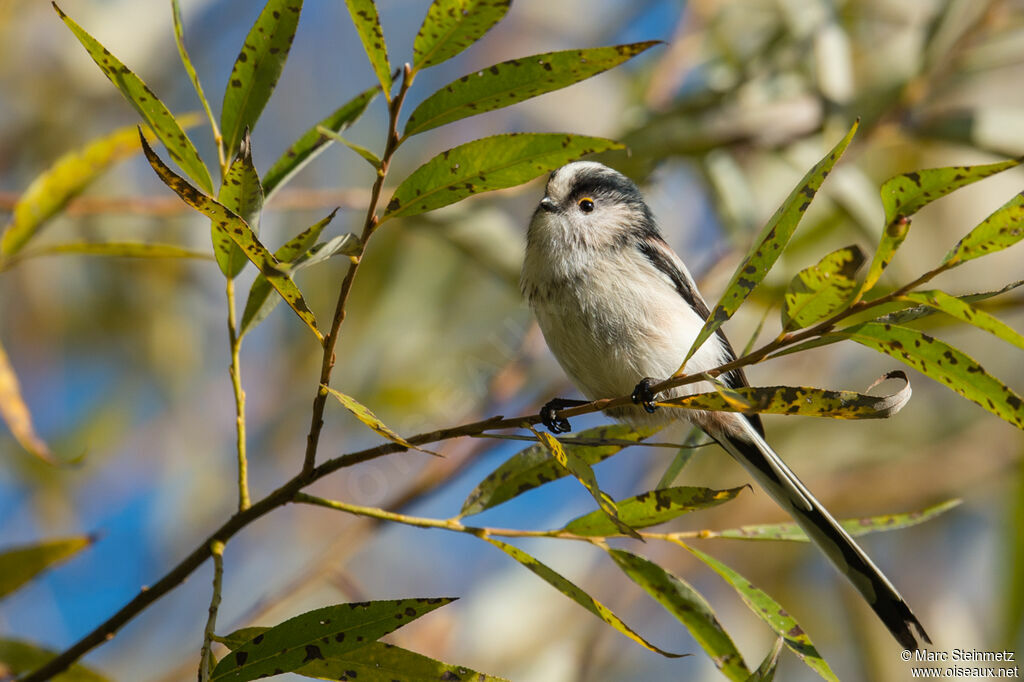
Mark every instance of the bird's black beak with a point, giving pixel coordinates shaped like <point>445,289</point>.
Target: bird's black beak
<point>548,205</point>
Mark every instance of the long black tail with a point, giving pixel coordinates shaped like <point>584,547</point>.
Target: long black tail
<point>772,474</point>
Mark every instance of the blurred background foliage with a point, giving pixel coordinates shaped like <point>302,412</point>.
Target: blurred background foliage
<point>123,363</point>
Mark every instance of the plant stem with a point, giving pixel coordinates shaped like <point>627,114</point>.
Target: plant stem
<point>205,657</point>
<point>235,343</point>
<point>369,225</point>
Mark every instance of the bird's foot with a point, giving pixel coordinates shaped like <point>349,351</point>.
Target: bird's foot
<point>555,423</point>
<point>643,395</point>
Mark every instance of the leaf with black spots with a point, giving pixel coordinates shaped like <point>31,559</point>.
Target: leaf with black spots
<point>533,467</point>
<point>770,244</point>
<point>962,310</point>
<point>367,23</point>
<point>689,607</point>
<point>257,69</point>
<point>453,25</point>
<point>822,290</point>
<point>516,80</point>
<point>240,233</point>
<point>149,106</point>
<point>651,508</point>
<point>316,635</point>
<point>487,164</point>
<point>242,194</point>
<point>1003,228</point>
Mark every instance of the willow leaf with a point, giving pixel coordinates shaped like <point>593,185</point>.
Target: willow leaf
<point>822,290</point>
<point>651,508</point>
<point>689,607</point>
<point>964,311</point>
<point>453,25</point>
<point>487,164</point>
<point>1003,228</point>
<point>257,69</point>
<point>363,414</point>
<point>367,23</point>
<point>19,657</point>
<point>16,414</point>
<point>18,565</point>
<point>242,194</point>
<point>770,243</point>
<point>149,106</point>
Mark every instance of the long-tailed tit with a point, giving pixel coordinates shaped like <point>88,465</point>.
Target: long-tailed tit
<point>618,307</point>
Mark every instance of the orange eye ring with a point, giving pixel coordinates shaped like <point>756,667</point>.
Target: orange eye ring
<point>586,204</point>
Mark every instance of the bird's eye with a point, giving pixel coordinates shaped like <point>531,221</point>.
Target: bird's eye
<point>586,204</point>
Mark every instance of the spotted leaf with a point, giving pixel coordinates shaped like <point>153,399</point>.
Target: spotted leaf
<point>260,303</point>
<point>363,414</point>
<point>257,68</point>
<point>316,635</point>
<point>311,143</point>
<point>770,243</point>
<point>18,565</point>
<point>569,589</point>
<point>651,508</point>
<point>514,81</point>
<point>892,238</point>
<point>799,400</point>
<point>855,527</point>
<point>906,194</point>
<point>18,657</point>
<point>771,613</point>
<point>150,108</point>
<point>240,233</point>
<point>16,414</point>
<point>453,25</point>
<point>487,164</point>
<point>1003,228</point>
<point>50,192</point>
<point>367,23</point>
<point>964,311</point>
<point>689,607</point>
<point>242,194</point>
<point>822,290</point>
<point>533,467</point>
<point>582,471</point>
<point>942,362</point>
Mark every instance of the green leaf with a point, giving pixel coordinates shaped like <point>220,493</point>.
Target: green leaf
<point>15,412</point>
<point>566,587</point>
<point>799,400</point>
<point>534,467</point>
<point>18,657</point>
<point>906,194</point>
<point>855,527</point>
<point>453,25</point>
<point>363,414</point>
<point>490,163</point>
<point>359,149</point>
<point>942,362</point>
<point>179,39</point>
<point>693,439</point>
<point>892,237</point>
<point>652,508</point>
<point>770,612</point>
<point>316,635</point>
<point>689,607</point>
<point>311,143</point>
<point>918,311</point>
<point>242,194</point>
<point>240,233</point>
<point>116,250</point>
<point>516,80</point>
<point>149,106</point>
<point>770,243</point>
<point>766,671</point>
<point>1003,228</point>
<point>257,68</point>
<point>822,290</point>
<point>373,662</point>
<point>367,23</point>
<point>51,191</point>
<point>260,303</point>
<point>1012,557</point>
<point>581,470</point>
<point>19,565</point>
<point>961,310</point>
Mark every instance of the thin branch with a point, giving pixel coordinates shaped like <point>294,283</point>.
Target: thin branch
<point>235,343</point>
<point>370,224</point>
<point>205,657</point>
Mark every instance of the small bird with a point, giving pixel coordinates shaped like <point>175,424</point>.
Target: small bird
<point>619,310</point>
